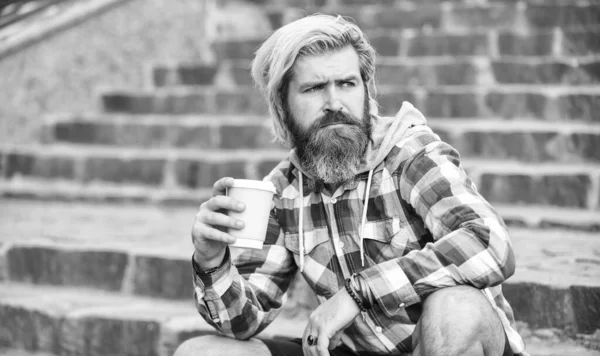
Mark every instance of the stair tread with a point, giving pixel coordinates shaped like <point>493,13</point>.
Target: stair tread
<point>203,120</point>
<point>77,302</point>
<point>164,230</point>
<point>68,190</point>
<point>82,150</point>
<point>74,303</point>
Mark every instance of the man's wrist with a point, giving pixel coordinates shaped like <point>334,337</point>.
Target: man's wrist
<point>204,266</point>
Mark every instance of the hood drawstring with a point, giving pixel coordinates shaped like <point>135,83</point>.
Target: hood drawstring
<point>301,225</point>
<point>362,224</point>
<point>364,218</point>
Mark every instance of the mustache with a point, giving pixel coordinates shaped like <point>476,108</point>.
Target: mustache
<point>335,118</point>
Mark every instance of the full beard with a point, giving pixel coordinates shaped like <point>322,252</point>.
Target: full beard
<point>333,155</point>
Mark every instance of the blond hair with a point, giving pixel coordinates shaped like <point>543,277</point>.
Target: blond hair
<point>311,35</point>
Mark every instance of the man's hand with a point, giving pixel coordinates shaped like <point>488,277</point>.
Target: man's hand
<point>209,234</point>
<point>328,321</point>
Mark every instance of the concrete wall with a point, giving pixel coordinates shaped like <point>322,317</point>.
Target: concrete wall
<point>63,72</point>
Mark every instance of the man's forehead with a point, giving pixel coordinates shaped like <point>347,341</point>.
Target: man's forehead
<point>328,65</point>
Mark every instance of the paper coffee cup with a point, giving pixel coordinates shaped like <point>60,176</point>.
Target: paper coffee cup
<point>257,196</point>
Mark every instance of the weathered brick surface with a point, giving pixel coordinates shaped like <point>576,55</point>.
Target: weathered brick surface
<point>422,74</point>
<point>390,101</point>
<point>564,190</point>
<point>540,305</point>
<point>507,72</point>
<point>557,190</point>
<point>580,41</point>
<point>586,73</point>
<point>130,134</point>
<point>83,132</point>
<point>195,174</point>
<point>29,329</point>
<point>579,106</point>
<point>122,170</point>
<point>516,105</point>
<point>390,18</point>
<point>531,44</point>
<point>162,277</point>
<point>548,16</point>
<point>386,44</point>
<point>248,136</point>
<point>586,307</point>
<point>514,188</point>
<point>91,335</point>
<point>465,17</point>
<point>194,136</point>
<point>586,146</point>
<point>451,104</point>
<point>240,73</point>
<point>398,18</point>
<point>181,103</point>
<point>184,75</point>
<point>447,44</point>
<point>527,146</point>
<point>44,265</point>
<point>25,164</point>
<point>246,101</point>
<point>236,49</point>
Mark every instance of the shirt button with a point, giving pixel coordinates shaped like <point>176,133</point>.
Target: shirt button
<point>333,201</point>
<point>378,329</point>
<point>401,305</point>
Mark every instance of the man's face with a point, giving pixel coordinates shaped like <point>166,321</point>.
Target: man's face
<point>327,114</point>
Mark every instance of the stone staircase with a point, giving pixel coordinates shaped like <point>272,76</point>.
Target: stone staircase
<point>95,217</point>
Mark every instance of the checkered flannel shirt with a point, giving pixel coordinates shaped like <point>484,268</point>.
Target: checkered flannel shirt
<point>427,228</point>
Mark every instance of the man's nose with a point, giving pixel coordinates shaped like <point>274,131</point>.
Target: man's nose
<point>332,99</point>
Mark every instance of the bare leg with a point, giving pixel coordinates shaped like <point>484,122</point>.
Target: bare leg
<point>216,345</point>
<point>458,321</point>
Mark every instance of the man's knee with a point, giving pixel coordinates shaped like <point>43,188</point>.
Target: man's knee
<point>460,320</point>
<point>220,345</point>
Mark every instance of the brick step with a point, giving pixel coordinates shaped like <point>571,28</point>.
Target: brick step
<point>422,71</point>
<point>500,181</point>
<point>67,321</point>
<point>552,103</point>
<point>498,139</point>
<point>46,321</point>
<point>397,42</point>
<point>198,131</point>
<point>554,285</point>
<point>469,16</point>
<point>168,168</point>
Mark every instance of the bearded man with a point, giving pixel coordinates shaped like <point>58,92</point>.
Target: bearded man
<point>404,255</point>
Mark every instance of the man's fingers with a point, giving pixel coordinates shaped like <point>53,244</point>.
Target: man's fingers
<point>219,220</point>
<point>206,232</point>
<point>336,340</point>
<point>322,345</point>
<point>220,186</point>
<point>222,202</point>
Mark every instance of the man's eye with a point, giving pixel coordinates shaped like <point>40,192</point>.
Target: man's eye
<point>348,84</point>
<point>315,88</point>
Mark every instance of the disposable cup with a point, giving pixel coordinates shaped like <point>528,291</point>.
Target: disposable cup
<point>257,196</point>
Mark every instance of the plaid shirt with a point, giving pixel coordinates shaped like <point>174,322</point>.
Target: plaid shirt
<point>427,228</point>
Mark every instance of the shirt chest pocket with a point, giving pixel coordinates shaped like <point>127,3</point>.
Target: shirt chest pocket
<point>316,242</point>
<point>319,271</point>
<point>388,238</point>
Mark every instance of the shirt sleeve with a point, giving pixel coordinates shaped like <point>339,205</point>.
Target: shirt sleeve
<point>244,295</point>
<point>469,242</point>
